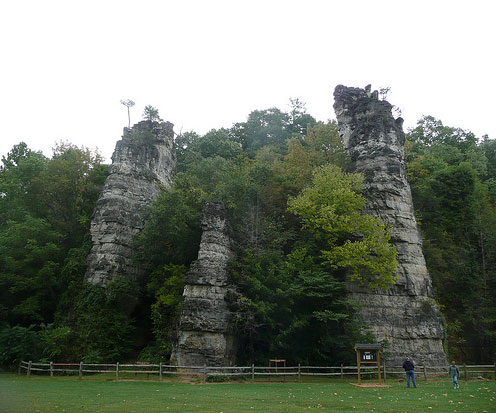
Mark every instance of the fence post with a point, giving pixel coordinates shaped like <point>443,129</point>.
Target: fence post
<point>80,370</point>
<point>117,371</point>
<point>384,368</point>
<point>299,372</point>
<point>253,372</point>
<point>29,368</point>
<point>19,369</point>
<point>160,371</point>
<point>51,369</point>
<point>425,372</point>
<point>495,370</point>
<point>342,371</point>
<point>466,371</point>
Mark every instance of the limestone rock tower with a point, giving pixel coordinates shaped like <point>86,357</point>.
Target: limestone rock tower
<point>143,161</point>
<point>406,315</point>
<point>205,335</point>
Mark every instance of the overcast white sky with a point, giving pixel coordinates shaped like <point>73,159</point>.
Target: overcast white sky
<point>65,65</point>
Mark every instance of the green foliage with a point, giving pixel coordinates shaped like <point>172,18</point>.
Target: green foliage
<point>29,256</point>
<point>19,343</point>
<point>71,280</point>
<point>289,292</point>
<point>451,174</point>
<point>300,235</point>
<point>324,321</point>
<point>191,147</point>
<point>218,379</point>
<point>291,306</point>
<point>291,295</point>
<point>166,286</point>
<point>62,190</point>
<point>264,307</point>
<point>14,157</point>
<point>172,233</point>
<point>151,114</point>
<point>68,190</point>
<point>101,323</point>
<point>263,127</point>
<point>431,132</point>
<point>325,144</point>
<point>56,341</point>
<point>299,119</point>
<point>331,210</point>
<point>46,205</point>
<point>18,175</point>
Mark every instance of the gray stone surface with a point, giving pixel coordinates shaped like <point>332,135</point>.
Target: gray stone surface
<point>143,160</point>
<point>205,334</point>
<point>406,315</point>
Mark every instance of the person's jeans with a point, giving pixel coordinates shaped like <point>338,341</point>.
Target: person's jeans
<point>455,382</point>
<point>410,373</point>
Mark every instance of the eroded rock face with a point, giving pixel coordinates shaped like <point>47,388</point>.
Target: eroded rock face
<point>205,326</point>
<point>142,161</point>
<point>406,315</point>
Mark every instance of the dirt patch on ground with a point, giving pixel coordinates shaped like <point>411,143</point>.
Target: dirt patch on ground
<point>185,380</point>
<point>366,385</point>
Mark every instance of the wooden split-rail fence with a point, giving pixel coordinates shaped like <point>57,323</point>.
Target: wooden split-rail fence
<point>160,370</point>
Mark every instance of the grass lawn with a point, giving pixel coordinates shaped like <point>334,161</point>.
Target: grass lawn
<point>97,394</point>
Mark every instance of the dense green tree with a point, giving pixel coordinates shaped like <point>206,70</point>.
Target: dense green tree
<point>29,266</point>
<point>293,294</point>
<point>15,155</point>
<point>172,234</point>
<point>263,127</point>
<point>19,343</point>
<point>299,237</point>
<point>68,189</point>
<point>18,176</point>
<point>431,131</point>
<point>299,119</point>
<point>359,244</point>
<point>101,324</point>
<point>165,287</point>
<point>288,285</point>
<point>192,148</point>
<point>488,148</point>
<point>150,113</point>
<point>451,177</point>
<point>45,211</point>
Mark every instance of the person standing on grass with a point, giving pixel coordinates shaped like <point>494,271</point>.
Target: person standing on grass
<point>410,373</point>
<point>454,374</point>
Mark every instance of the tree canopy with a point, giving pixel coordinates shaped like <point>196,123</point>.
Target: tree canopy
<point>452,174</point>
<point>300,237</point>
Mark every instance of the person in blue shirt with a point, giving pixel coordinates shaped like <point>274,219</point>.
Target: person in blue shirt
<point>410,373</point>
<point>454,374</point>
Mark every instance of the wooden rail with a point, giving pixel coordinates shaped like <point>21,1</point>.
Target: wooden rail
<point>467,371</point>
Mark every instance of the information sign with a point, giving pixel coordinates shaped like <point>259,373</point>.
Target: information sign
<point>368,354</point>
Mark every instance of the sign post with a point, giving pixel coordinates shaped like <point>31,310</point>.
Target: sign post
<point>276,362</point>
<point>368,354</point>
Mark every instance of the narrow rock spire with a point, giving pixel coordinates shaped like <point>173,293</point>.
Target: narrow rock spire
<point>205,334</point>
<point>406,315</point>
<point>142,161</point>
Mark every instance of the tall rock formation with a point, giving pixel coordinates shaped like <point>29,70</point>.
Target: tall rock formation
<point>406,315</point>
<point>142,161</point>
<point>205,327</point>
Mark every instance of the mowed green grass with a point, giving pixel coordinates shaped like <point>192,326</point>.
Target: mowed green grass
<point>59,394</point>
